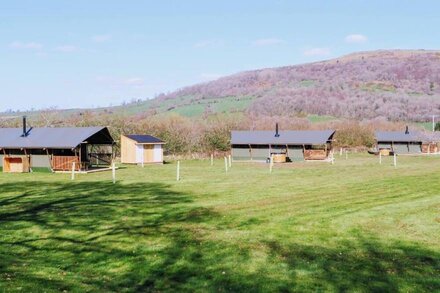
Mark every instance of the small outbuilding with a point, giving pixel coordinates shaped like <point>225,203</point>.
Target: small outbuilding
<point>284,146</point>
<point>141,149</point>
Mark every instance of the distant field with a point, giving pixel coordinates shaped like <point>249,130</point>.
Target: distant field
<point>356,226</point>
<point>186,106</point>
<point>322,118</point>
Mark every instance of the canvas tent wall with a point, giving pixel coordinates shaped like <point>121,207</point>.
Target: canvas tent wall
<point>56,148</point>
<point>141,149</point>
<point>259,145</point>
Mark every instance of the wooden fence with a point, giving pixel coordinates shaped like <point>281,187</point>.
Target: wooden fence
<point>315,154</point>
<point>64,163</point>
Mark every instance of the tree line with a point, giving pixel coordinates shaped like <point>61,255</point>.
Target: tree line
<point>209,134</point>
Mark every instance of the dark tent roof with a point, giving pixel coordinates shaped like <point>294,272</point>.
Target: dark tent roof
<point>429,136</point>
<point>144,138</point>
<point>290,137</point>
<point>54,138</point>
<point>398,136</point>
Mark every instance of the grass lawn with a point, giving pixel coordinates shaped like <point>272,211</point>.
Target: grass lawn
<point>353,226</point>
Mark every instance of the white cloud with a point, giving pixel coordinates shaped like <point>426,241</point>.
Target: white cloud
<point>317,52</point>
<point>29,45</point>
<point>66,48</point>
<point>208,43</point>
<point>268,42</point>
<point>356,39</point>
<point>101,38</point>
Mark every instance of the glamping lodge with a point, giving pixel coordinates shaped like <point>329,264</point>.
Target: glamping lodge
<point>430,142</point>
<point>90,148</point>
<point>141,149</point>
<point>406,142</point>
<point>284,146</point>
<point>399,142</point>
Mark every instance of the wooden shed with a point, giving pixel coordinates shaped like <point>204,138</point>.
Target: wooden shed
<point>141,149</point>
<point>286,145</point>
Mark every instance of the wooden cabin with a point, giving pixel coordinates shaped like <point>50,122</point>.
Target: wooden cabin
<point>290,145</point>
<point>141,149</point>
<point>22,149</point>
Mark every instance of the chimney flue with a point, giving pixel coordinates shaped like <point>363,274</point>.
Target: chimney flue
<point>24,127</point>
<point>407,130</point>
<point>276,130</point>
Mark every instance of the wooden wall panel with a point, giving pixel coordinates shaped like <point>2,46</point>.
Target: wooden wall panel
<point>315,154</point>
<point>148,153</point>
<point>64,163</point>
<point>128,150</point>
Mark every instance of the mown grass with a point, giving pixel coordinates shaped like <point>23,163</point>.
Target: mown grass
<point>353,226</point>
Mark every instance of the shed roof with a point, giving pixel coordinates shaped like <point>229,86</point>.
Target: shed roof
<point>55,138</point>
<point>144,138</point>
<point>290,137</point>
<point>398,136</point>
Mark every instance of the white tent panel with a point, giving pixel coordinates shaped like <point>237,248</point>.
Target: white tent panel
<point>139,153</point>
<point>158,155</point>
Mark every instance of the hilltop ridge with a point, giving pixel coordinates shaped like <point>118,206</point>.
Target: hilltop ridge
<point>397,85</point>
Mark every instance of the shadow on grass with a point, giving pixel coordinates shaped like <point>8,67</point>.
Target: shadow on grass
<point>364,265</point>
<point>86,236</point>
<point>94,236</point>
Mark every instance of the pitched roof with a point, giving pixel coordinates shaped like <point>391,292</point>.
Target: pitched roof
<point>292,137</point>
<point>56,138</point>
<point>397,136</point>
<point>144,138</point>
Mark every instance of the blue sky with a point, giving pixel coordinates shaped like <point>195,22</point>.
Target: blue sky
<point>97,53</point>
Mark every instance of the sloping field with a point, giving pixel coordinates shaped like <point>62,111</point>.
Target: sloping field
<point>356,226</point>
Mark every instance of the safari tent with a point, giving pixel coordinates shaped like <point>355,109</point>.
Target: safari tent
<point>286,146</point>
<point>430,142</point>
<point>399,142</point>
<point>141,149</point>
<point>22,149</point>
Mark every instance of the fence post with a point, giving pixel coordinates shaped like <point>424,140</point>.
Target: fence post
<point>346,154</point>
<point>113,172</point>
<point>178,171</point>
<point>395,160</point>
<point>380,157</point>
<point>270,163</point>
<point>73,171</point>
<point>226,165</point>
<point>212,160</point>
<point>340,152</point>
<point>230,161</point>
